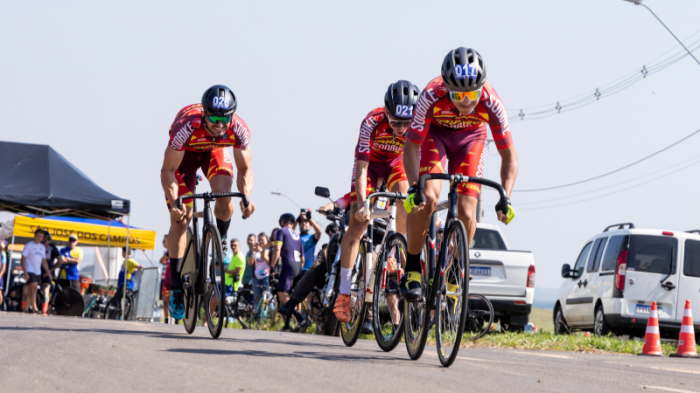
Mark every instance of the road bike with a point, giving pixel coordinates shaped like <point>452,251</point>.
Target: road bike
<point>444,279</point>
<point>203,268</point>
<point>257,314</point>
<point>376,285</point>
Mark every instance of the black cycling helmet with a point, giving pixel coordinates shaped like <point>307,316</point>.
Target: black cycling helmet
<point>287,218</point>
<point>400,99</point>
<point>332,228</point>
<point>463,70</point>
<point>219,100</point>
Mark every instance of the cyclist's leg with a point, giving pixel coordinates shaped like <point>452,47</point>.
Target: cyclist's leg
<point>220,175</point>
<point>398,182</point>
<point>313,277</point>
<point>468,161</point>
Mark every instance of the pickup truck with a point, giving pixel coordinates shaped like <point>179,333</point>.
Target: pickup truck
<point>506,277</point>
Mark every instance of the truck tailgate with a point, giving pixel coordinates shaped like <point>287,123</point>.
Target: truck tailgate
<point>499,273</point>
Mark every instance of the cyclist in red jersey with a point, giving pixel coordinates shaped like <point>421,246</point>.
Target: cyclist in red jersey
<point>378,156</point>
<point>199,138</point>
<point>449,123</point>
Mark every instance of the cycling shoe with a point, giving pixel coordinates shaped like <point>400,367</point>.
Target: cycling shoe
<point>411,287</point>
<point>177,304</point>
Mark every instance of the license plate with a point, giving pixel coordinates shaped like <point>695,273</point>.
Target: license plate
<point>480,271</point>
<point>642,309</point>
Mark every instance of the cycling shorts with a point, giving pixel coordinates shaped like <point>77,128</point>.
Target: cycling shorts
<point>165,288</point>
<point>33,278</point>
<point>464,150</point>
<point>213,162</point>
<point>289,276</point>
<point>392,172</point>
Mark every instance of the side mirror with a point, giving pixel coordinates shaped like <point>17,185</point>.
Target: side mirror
<point>323,192</point>
<point>566,271</point>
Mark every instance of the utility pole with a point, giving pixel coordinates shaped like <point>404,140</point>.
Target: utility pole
<point>479,207</point>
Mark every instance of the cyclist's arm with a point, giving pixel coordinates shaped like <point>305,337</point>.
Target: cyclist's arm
<point>411,161</point>
<point>509,168</point>
<point>244,178</point>
<point>361,182</point>
<point>168,180</point>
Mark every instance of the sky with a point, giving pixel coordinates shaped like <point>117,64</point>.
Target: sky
<point>101,83</point>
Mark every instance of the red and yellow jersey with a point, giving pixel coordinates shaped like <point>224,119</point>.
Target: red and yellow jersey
<point>187,132</point>
<point>434,107</point>
<point>377,142</point>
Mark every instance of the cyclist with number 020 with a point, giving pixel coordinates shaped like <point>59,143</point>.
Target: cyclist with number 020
<point>449,123</point>
<point>378,156</point>
<point>199,138</point>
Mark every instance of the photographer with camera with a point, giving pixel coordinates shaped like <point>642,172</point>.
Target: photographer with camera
<point>310,240</point>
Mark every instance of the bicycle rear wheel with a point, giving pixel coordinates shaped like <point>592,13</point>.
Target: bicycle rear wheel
<point>451,301</point>
<point>479,315</point>
<point>416,316</point>
<point>350,331</point>
<point>189,274</point>
<point>388,319</point>
<point>215,307</point>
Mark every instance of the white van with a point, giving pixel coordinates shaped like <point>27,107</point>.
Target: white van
<point>620,272</point>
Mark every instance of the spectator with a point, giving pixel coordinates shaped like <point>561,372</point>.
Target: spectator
<point>310,240</point>
<point>3,268</point>
<point>248,272</point>
<point>33,259</point>
<point>52,258</point>
<point>234,270</point>
<point>259,262</point>
<point>128,268</point>
<point>72,256</point>
<point>275,268</point>
<point>165,280</point>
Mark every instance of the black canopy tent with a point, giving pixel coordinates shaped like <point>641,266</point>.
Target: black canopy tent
<point>37,179</point>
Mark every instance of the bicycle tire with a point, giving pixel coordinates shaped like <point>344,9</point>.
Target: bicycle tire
<point>350,331</point>
<point>476,317</point>
<point>244,310</point>
<point>416,317</point>
<point>215,286</point>
<point>450,328</point>
<point>190,297</point>
<point>382,310</point>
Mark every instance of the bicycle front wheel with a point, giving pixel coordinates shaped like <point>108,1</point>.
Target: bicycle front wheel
<point>350,331</point>
<point>388,319</point>
<point>479,315</point>
<point>451,301</point>
<point>213,256</point>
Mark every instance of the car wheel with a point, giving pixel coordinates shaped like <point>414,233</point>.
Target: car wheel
<point>600,327</point>
<point>560,326</point>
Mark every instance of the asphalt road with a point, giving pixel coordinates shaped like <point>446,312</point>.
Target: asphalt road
<point>87,355</point>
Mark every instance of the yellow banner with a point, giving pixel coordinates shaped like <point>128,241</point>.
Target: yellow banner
<point>86,233</point>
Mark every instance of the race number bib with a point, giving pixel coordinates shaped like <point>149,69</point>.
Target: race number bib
<point>465,71</point>
<point>404,111</point>
<point>221,102</point>
<point>297,256</point>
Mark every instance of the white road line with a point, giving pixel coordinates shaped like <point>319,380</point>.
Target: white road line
<point>667,389</point>
<point>676,370</point>
<point>544,354</point>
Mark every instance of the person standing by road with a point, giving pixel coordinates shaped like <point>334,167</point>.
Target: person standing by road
<point>72,256</point>
<point>307,238</point>
<point>259,262</point>
<point>52,258</point>
<point>290,250</point>
<point>234,270</point>
<point>3,268</point>
<point>165,280</point>
<point>33,259</point>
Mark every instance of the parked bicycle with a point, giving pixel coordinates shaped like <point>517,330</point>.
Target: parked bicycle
<point>442,306</point>
<point>203,266</point>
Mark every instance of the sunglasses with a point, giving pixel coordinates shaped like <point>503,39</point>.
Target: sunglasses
<point>398,123</point>
<point>217,119</point>
<point>460,96</point>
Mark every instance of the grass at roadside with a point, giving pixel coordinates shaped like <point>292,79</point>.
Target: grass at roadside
<point>542,317</point>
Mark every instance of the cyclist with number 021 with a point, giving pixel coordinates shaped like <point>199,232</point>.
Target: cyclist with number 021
<point>449,123</point>
<point>199,138</point>
<point>378,156</point>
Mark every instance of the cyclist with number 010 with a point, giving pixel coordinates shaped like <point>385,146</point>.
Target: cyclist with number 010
<point>378,156</point>
<point>199,138</point>
<point>449,123</point>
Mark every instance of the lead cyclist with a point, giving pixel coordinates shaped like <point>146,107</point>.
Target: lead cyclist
<point>199,139</point>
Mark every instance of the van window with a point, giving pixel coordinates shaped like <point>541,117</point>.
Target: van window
<point>652,254</point>
<point>691,262</point>
<point>582,258</point>
<point>598,247</point>
<point>615,245</point>
<point>486,239</point>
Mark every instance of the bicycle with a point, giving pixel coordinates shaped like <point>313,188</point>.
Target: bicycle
<point>203,267</point>
<point>113,310</point>
<point>257,314</point>
<point>444,307</point>
<point>366,289</point>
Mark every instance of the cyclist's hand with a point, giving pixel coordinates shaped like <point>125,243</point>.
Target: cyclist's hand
<point>247,211</point>
<point>176,214</point>
<point>361,214</point>
<point>327,208</point>
<point>505,218</point>
<point>410,206</point>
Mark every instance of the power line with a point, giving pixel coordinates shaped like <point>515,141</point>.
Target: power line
<point>611,193</point>
<point>611,172</point>
<point>669,30</point>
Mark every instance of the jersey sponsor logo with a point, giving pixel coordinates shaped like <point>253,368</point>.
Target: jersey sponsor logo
<point>366,131</point>
<point>427,98</point>
<point>497,108</point>
<point>465,71</point>
<point>181,137</point>
<point>227,156</point>
<point>241,133</point>
<point>480,168</point>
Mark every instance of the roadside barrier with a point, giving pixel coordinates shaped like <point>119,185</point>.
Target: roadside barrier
<point>652,338</point>
<point>686,340</point>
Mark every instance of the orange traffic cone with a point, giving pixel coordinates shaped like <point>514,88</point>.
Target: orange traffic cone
<point>652,339</point>
<point>686,341</point>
